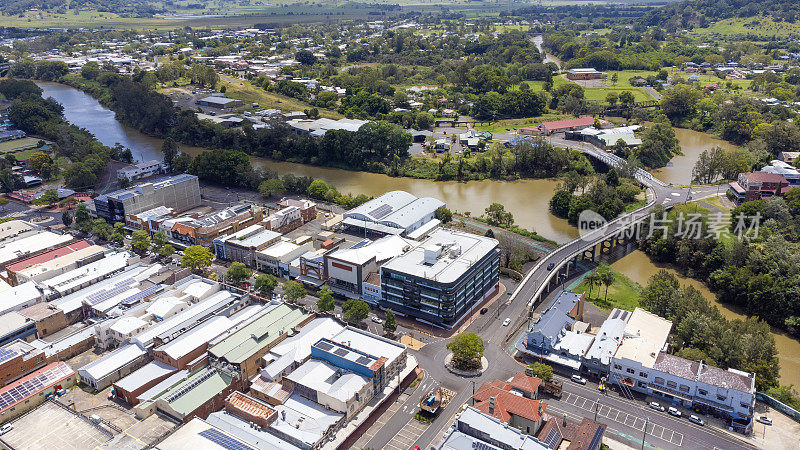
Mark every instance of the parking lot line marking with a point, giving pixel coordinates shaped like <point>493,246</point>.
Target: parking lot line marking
<point>615,417</point>
<point>680,439</point>
<point>393,446</point>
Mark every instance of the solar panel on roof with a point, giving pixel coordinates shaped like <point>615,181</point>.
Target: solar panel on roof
<point>341,351</point>
<point>224,440</point>
<point>325,346</point>
<point>6,354</point>
<point>363,360</point>
<point>381,211</point>
<point>598,435</point>
<point>553,438</point>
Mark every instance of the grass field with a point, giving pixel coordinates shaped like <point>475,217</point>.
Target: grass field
<point>243,90</point>
<point>759,26</point>
<point>501,125</point>
<point>17,145</point>
<point>622,294</point>
<point>599,94</point>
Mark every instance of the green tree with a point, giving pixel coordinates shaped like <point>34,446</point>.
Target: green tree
<point>305,58</point>
<point>265,284</point>
<point>140,241</point>
<point>444,214</point>
<point>541,371</point>
<point>166,250</point>
<point>317,189</point>
<point>271,186</point>
<point>326,302</point>
<point>355,310</point>
<point>49,197</point>
<point>467,349</point>
<point>159,239</point>
<point>101,229</point>
<point>496,214</point>
<point>90,70</point>
<point>389,322</point>
<point>626,97</point>
<point>592,280</point>
<point>197,258</point>
<point>293,291</point>
<point>606,278</point>
<point>170,150</point>
<point>237,273</point>
<point>66,218</point>
<point>612,98</point>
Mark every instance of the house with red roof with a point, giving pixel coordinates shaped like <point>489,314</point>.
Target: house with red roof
<point>757,185</point>
<point>498,399</point>
<point>560,126</point>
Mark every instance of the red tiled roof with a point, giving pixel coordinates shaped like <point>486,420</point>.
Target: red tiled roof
<point>765,177</point>
<point>526,383</point>
<point>48,256</point>
<point>506,404</point>
<point>568,123</point>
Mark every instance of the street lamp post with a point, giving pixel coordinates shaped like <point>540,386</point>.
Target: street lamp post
<point>597,408</point>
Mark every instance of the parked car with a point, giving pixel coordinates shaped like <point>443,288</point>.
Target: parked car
<point>551,265</point>
<point>578,379</point>
<point>674,411</point>
<point>377,319</point>
<point>764,419</point>
<point>696,420</point>
<point>507,321</point>
<point>484,310</point>
<point>656,406</point>
<point>6,428</point>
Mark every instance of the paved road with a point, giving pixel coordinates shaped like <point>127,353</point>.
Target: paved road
<point>656,95</point>
<point>624,417</point>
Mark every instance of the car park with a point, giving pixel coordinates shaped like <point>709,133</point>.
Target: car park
<point>697,420</point>
<point>578,379</point>
<point>656,406</point>
<point>674,411</point>
<point>764,419</point>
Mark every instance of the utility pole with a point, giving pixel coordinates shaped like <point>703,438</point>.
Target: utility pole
<point>646,422</point>
<point>597,408</point>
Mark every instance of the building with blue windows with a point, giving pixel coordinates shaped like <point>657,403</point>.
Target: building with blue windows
<point>443,278</point>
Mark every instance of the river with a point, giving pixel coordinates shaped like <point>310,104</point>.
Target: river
<point>537,41</point>
<point>693,143</point>
<point>527,199</point>
<point>639,268</point>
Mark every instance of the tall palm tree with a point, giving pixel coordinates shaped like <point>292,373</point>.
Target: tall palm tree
<point>592,280</point>
<point>607,279</point>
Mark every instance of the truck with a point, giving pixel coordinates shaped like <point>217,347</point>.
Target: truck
<point>553,388</point>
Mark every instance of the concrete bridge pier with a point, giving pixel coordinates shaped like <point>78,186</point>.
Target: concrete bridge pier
<point>589,253</point>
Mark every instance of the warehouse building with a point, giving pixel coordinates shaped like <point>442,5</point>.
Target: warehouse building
<point>396,212</point>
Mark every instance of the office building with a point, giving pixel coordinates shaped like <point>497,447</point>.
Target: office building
<point>275,259</point>
<point>179,192</point>
<point>443,278</point>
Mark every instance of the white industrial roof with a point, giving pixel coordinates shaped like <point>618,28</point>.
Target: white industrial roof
<point>260,439</point>
<point>382,249</point>
<point>370,343</point>
<point>304,420</point>
<point>328,379</point>
<point>645,336</point>
<point>28,245</point>
<point>458,252</point>
<point>143,375</point>
<point>499,431</point>
<point>188,437</point>
<point>89,273</point>
<point>196,337</point>
<point>127,325</point>
<point>12,321</point>
<point>185,318</point>
<point>19,297</point>
<point>111,362</point>
<point>378,208</point>
<point>279,249</point>
<point>163,306</point>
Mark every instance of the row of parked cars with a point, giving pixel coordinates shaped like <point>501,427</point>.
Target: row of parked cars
<point>673,411</point>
